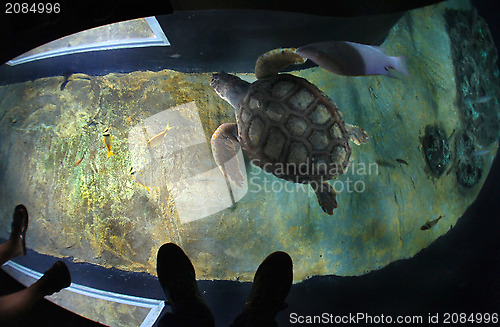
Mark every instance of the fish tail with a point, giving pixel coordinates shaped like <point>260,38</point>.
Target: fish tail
<point>400,65</point>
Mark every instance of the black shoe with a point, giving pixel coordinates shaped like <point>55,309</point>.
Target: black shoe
<point>20,224</point>
<point>178,280</point>
<point>56,278</point>
<point>270,288</point>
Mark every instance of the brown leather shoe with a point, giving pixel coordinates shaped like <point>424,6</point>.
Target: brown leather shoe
<point>20,224</point>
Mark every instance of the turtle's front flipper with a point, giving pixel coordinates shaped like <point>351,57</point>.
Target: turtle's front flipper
<point>357,135</point>
<point>225,147</point>
<point>327,197</point>
<point>272,62</point>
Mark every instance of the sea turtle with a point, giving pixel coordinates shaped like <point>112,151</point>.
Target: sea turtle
<point>285,125</point>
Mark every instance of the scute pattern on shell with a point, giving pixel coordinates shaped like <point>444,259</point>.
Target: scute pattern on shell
<point>291,129</point>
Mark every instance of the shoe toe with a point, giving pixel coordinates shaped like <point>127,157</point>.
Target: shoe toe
<point>278,263</point>
<point>57,277</point>
<point>170,259</point>
<point>20,220</point>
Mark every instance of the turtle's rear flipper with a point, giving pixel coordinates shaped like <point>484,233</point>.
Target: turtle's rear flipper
<point>357,135</point>
<point>225,147</point>
<point>326,196</point>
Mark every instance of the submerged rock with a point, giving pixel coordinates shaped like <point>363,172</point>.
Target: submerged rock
<point>469,166</point>
<point>478,91</point>
<point>436,149</point>
<point>477,74</point>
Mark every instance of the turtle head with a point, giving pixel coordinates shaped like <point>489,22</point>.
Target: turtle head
<point>229,87</point>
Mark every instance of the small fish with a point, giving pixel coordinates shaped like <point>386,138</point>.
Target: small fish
<point>107,138</point>
<point>137,176</point>
<point>156,140</point>
<point>66,80</point>
<point>401,161</point>
<point>480,153</point>
<point>384,163</point>
<point>430,223</point>
<point>94,169</point>
<point>353,59</point>
<point>483,99</point>
<point>175,56</point>
<point>451,135</point>
<point>79,161</point>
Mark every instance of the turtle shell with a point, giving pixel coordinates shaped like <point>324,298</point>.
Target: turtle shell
<point>291,129</point>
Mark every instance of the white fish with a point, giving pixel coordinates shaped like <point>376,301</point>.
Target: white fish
<point>137,176</point>
<point>353,59</point>
<point>480,153</point>
<point>483,99</point>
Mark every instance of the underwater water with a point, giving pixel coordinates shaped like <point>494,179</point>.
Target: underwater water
<point>113,166</point>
